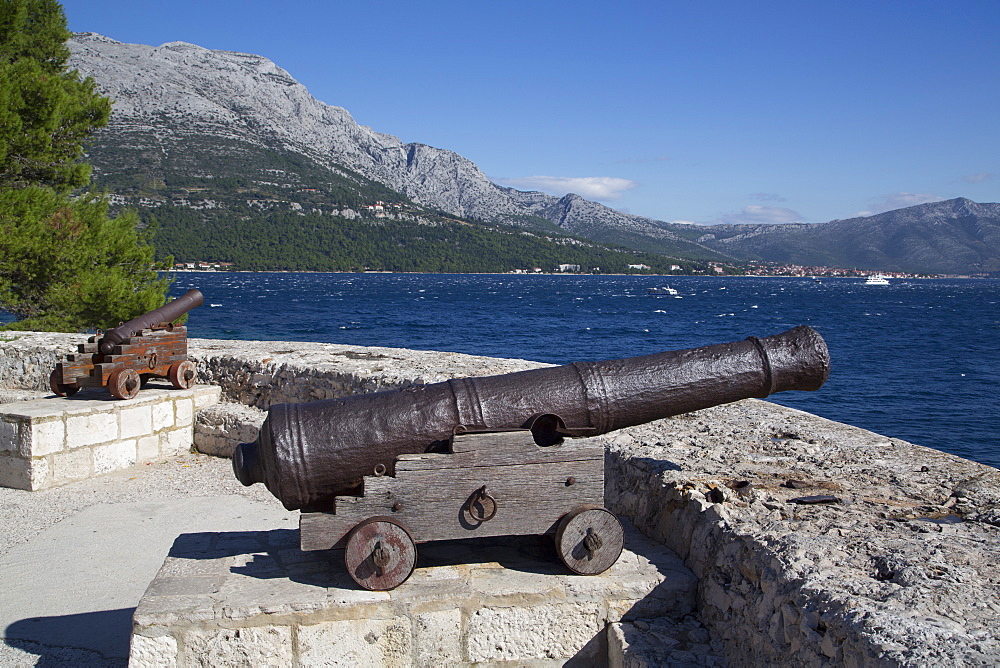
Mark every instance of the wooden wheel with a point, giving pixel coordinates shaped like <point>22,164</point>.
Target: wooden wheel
<point>589,540</point>
<point>380,554</point>
<point>182,374</point>
<point>60,388</point>
<point>124,383</point>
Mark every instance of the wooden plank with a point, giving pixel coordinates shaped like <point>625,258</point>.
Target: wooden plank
<point>498,457</point>
<point>530,499</point>
<point>520,439</point>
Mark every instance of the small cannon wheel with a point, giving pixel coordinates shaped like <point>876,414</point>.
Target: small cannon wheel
<point>182,374</point>
<point>589,540</point>
<point>60,388</point>
<point>380,554</point>
<point>124,384</point>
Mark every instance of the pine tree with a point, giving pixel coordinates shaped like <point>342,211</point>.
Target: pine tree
<point>64,264</point>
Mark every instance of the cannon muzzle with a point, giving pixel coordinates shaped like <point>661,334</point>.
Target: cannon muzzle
<point>165,314</point>
<point>307,453</point>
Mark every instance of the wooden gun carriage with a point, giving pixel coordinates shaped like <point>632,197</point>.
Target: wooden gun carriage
<point>123,359</point>
<point>488,484</point>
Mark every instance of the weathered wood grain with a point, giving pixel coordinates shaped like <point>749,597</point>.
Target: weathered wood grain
<point>432,500</point>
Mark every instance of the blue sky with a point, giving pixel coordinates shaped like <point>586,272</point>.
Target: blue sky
<point>701,111</point>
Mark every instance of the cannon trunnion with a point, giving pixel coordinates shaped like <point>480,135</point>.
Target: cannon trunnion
<point>488,484</point>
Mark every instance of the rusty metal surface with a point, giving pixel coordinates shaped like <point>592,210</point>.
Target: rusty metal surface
<point>307,453</point>
<point>165,314</point>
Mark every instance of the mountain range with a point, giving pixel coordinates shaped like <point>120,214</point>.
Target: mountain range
<point>191,126</point>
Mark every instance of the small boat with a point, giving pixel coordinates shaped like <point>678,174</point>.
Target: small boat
<point>877,279</point>
<point>665,290</point>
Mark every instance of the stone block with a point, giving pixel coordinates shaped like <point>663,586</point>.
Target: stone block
<point>253,646</point>
<point>15,472</point>
<point>498,600</point>
<point>114,456</point>
<point>435,641</point>
<point>147,448</point>
<point>135,421</point>
<point>163,415</point>
<point>71,465</point>
<point>175,441</point>
<point>10,436</point>
<point>183,412</point>
<point>153,652</point>
<point>90,429</point>
<point>46,437</point>
<point>554,631</point>
<point>365,642</point>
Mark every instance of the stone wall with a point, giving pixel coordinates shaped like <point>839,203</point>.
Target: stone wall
<point>893,564</point>
<point>55,441</point>
<point>262,373</point>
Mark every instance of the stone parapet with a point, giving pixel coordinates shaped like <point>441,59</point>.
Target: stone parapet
<point>816,542</point>
<point>256,599</point>
<point>262,373</point>
<point>54,441</point>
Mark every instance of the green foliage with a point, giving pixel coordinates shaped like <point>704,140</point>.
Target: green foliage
<point>66,266</point>
<point>285,240</point>
<point>46,112</point>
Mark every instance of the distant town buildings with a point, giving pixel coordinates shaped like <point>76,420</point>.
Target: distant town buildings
<point>203,266</point>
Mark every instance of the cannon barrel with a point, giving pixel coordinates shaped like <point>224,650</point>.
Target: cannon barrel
<point>166,313</point>
<point>306,453</point>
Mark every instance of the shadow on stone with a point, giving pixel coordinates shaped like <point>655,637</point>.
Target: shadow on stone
<point>86,639</point>
<point>276,554</point>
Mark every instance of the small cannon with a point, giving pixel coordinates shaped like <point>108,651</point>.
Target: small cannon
<point>377,473</point>
<point>124,358</point>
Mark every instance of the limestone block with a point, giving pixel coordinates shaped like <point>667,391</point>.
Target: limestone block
<point>251,646</point>
<point>147,448</point>
<point>90,428</point>
<point>46,437</point>
<point>158,652</point>
<point>163,415</point>
<point>71,465</point>
<point>531,633</point>
<point>183,412</point>
<point>220,428</point>
<point>175,441</point>
<point>363,642</point>
<point>436,638</point>
<point>114,456</point>
<point>15,472</point>
<point>135,421</point>
<point>10,436</point>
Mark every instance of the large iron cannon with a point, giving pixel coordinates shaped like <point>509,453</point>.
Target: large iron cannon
<point>306,454</point>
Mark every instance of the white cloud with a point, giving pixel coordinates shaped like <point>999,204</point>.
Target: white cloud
<point>767,197</point>
<point>898,201</point>
<point>590,187</point>
<point>978,178</point>
<point>756,214</point>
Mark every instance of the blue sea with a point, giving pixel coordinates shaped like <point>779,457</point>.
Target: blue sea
<point>915,360</point>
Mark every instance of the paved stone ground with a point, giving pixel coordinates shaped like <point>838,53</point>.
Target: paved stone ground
<point>75,560</point>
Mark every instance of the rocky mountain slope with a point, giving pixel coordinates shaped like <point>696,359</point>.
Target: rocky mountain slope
<point>954,236</point>
<point>242,111</point>
<point>191,126</point>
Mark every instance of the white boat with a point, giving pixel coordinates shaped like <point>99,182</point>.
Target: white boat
<point>877,279</point>
<point>665,290</point>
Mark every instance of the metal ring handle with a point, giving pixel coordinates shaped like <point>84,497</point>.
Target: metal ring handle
<point>479,495</point>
